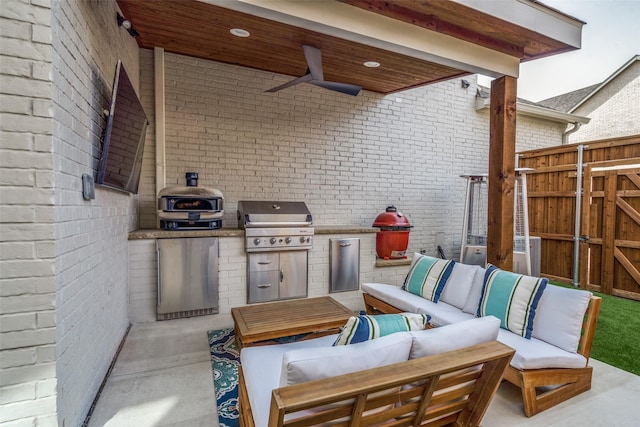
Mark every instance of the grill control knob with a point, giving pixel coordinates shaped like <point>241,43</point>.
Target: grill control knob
<point>287,240</point>
<point>256,242</point>
<point>302,239</point>
<point>273,240</point>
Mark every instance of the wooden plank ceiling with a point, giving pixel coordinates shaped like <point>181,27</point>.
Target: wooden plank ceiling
<point>197,29</point>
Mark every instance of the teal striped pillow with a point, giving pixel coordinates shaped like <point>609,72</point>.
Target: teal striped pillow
<point>368,327</point>
<point>512,298</point>
<point>428,276</point>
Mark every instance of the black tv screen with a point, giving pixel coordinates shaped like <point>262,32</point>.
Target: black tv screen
<point>124,136</point>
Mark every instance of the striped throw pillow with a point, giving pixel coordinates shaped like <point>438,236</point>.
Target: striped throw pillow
<point>428,277</point>
<point>368,327</point>
<point>512,298</point>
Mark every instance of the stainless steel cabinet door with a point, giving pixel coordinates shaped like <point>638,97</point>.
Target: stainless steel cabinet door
<point>344,260</point>
<point>187,274</point>
<point>294,274</point>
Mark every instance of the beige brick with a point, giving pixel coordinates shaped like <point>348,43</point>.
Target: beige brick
<point>15,66</point>
<point>46,319</point>
<point>26,268</point>
<point>14,29</point>
<point>42,108</point>
<point>22,303</point>
<point>30,408</point>
<point>45,249</point>
<point>46,353</point>
<point>41,70</point>
<point>22,123</point>
<point>30,196</point>
<point>46,388</point>
<point>20,10</point>
<point>43,143</point>
<point>17,322</point>
<point>17,250</point>
<point>25,49</point>
<point>15,141</point>
<point>13,287</point>
<point>17,177</point>
<point>13,340</point>
<point>41,34</point>
<point>15,104</point>
<point>17,393</point>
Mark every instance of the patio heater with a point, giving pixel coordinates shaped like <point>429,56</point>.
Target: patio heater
<point>526,249</point>
<point>474,226</point>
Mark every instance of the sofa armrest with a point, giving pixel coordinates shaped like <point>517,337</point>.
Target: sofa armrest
<point>412,388</point>
<point>589,326</point>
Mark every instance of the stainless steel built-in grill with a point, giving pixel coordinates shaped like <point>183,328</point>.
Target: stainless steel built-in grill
<point>278,236</point>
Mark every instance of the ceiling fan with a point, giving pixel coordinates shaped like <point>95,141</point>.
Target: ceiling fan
<point>315,77</point>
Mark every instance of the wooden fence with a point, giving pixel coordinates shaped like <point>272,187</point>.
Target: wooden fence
<point>609,254</point>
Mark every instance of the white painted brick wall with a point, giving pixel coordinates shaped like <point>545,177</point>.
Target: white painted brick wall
<point>346,157</point>
<point>91,236</point>
<point>614,111</point>
<point>27,321</point>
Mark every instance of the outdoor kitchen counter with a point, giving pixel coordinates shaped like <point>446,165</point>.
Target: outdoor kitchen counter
<point>152,233</point>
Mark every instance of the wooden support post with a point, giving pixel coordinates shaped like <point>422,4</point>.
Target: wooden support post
<point>502,151</point>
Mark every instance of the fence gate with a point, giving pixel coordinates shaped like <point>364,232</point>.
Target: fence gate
<point>610,248</point>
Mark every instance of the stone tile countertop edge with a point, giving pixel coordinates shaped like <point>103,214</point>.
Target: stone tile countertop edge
<point>152,233</point>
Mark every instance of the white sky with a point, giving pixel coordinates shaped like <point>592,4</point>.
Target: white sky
<point>610,38</point>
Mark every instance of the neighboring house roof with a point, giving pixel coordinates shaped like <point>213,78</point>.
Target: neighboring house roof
<point>532,109</point>
<point>566,101</point>
<point>570,101</point>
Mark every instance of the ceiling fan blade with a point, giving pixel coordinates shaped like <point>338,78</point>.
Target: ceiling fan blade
<point>303,79</point>
<point>348,89</point>
<point>314,61</point>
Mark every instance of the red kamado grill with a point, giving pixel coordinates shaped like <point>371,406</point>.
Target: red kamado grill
<point>393,238</point>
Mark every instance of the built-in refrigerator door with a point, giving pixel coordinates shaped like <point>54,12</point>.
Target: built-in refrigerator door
<point>344,260</point>
<point>187,275</point>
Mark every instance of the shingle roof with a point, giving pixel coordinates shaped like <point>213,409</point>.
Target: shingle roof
<point>567,101</point>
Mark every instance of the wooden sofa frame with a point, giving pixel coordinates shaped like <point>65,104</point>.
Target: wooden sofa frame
<point>453,388</point>
<point>541,388</point>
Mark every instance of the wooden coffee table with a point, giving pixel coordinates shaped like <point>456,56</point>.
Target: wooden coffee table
<point>315,316</point>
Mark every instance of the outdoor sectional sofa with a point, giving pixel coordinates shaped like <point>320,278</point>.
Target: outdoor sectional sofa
<point>552,343</point>
<point>439,376</point>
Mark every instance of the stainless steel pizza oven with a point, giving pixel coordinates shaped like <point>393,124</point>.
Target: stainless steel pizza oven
<point>190,207</point>
<point>278,237</point>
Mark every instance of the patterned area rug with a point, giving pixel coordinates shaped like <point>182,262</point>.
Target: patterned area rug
<point>225,360</point>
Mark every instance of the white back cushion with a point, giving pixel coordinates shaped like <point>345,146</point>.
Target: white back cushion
<point>454,336</point>
<point>456,291</point>
<point>559,316</point>
<point>471,305</point>
<point>324,362</point>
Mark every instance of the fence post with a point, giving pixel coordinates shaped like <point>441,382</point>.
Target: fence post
<point>576,237</point>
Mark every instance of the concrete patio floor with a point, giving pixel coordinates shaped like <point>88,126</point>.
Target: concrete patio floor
<point>163,377</point>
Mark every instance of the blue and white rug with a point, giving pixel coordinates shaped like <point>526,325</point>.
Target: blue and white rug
<point>225,361</point>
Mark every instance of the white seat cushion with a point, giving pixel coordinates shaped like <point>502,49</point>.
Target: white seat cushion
<point>457,289</point>
<point>454,337</point>
<point>536,354</point>
<point>395,296</point>
<point>261,367</point>
<point>559,316</point>
<point>307,364</point>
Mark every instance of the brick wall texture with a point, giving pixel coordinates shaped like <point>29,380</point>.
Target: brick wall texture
<point>347,157</point>
<point>614,110</point>
<point>64,260</point>
<point>64,284</point>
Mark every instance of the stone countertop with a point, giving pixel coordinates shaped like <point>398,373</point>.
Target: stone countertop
<point>152,233</point>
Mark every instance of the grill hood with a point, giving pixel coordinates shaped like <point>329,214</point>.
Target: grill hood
<point>263,213</point>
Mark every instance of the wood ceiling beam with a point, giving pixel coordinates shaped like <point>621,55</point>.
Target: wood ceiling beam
<point>361,26</point>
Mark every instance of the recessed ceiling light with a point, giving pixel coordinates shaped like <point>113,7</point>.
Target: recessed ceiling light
<point>371,64</point>
<point>239,32</point>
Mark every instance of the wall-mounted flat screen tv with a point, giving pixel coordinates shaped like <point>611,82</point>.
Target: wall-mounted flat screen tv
<point>124,137</point>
